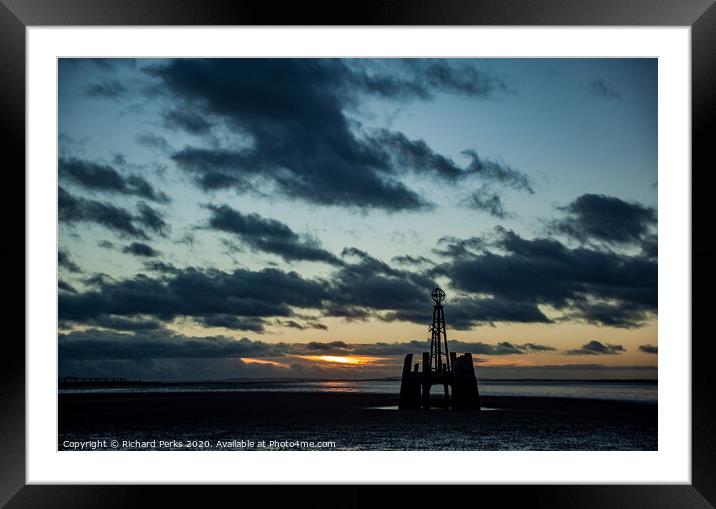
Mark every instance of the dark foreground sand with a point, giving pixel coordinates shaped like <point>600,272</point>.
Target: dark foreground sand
<point>352,421</point>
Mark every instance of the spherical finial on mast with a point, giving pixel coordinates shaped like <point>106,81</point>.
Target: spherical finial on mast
<point>438,295</point>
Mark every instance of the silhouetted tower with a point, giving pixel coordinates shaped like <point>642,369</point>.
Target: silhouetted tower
<point>456,373</point>
<point>439,355</point>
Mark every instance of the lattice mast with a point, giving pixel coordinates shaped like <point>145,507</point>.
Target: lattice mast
<point>439,355</point>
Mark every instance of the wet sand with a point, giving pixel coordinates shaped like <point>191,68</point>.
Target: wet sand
<point>350,421</point>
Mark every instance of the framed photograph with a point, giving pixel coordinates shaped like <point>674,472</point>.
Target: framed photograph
<point>427,244</point>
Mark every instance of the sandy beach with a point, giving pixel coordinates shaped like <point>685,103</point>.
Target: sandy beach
<point>346,421</point>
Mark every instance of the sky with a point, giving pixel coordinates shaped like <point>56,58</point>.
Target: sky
<point>272,218</point>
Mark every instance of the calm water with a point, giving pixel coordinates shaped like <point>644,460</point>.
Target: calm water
<point>621,390</point>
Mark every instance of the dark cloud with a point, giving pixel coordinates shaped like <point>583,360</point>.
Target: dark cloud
<point>162,267</point>
<point>95,344</point>
<point>620,314</point>
<point>538,348</point>
<point>229,321</point>
<point>600,287</point>
<point>453,247</point>
<point>152,219</point>
<point>360,288</point>
<point>123,324</point>
<point>328,181</point>
<point>103,178</point>
<point>486,201</point>
<point>348,313</point>
<point>141,249</point>
<point>302,326</point>
<point>108,88</point>
<point>187,120</point>
<point>147,344</point>
<point>300,136</point>
<point>501,279</point>
<point>367,283</point>
<point>465,313</point>
<point>65,286</point>
<point>649,349</point>
<point>151,140</point>
<point>73,209</point>
<point>419,157</point>
<point>595,217</point>
<point>106,244</point>
<point>600,88</point>
<point>597,348</point>
<point>650,247</point>
<point>197,293</point>
<point>412,260</point>
<point>268,235</point>
<point>64,262</point>
<point>493,171</point>
<point>369,287</point>
<point>455,78</point>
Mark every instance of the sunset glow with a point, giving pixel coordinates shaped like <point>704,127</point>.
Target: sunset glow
<point>338,359</point>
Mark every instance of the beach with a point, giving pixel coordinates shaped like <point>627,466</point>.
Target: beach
<point>345,421</point>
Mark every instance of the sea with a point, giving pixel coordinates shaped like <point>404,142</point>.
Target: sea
<point>635,391</point>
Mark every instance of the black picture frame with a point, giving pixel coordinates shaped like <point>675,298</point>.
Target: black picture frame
<point>16,15</point>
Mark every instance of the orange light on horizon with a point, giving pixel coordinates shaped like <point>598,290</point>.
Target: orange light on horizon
<point>342,359</point>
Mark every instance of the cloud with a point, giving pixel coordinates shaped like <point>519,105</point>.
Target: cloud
<point>141,249</point>
<point>600,287</point>
<point>152,219</point>
<point>103,178</point>
<point>161,267</point>
<point>464,313</point>
<point>64,262</point>
<point>412,260</point>
<point>364,282</point>
<point>151,140</point>
<point>268,235</point>
<point>73,209</point>
<point>365,286</point>
<point>454,247</point>
<point>596,217</point>
<point>597,348</point>
<point>229,321</point>
<point>161,343</point>
<point>187,120</point>
<point>300,134</point>
<point>302,326</point>
<point>360,288</point>
<point>501,279</point>
<point>126,325</point>
<point>63,285</point>
<point>417,156</point>
<point>201,294</point>
<point>537,347</point>
<point>649,349</point>
<point>494,171</point>
<point>600,88</point>
<point>109,88</point>
<point>485,201</point>
<point>455,78</point>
